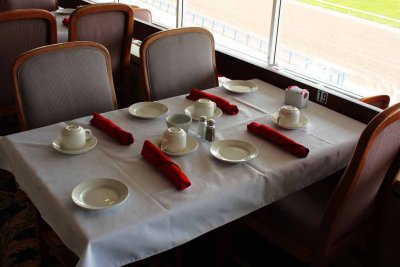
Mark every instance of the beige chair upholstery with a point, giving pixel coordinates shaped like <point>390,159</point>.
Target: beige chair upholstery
<point>175,61</point>
<point>316,223</point>
<point>49,5</point>
<point>61,82</point>
<point>108,24</point>
<point>20,31</point>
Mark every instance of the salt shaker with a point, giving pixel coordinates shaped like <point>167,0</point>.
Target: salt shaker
<point>201,126</point>
<point>210,130</point>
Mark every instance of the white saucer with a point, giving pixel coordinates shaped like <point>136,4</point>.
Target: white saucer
<point>191,145</point>
<point>189,111</point>
<point>233,151</point>
<point>303,121</point>
<point>65,11</point>
<point>100,193</point>
<point>148,110</point>
<point>240,86</point>
<point>91,143</point>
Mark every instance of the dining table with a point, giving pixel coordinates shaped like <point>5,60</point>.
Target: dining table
<point>62,30</point>
<point>156,216</point>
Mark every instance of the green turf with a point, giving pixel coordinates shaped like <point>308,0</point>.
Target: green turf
<point>386,8</point>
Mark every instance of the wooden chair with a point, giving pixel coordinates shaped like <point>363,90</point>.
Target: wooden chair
<point>142,14</point>
<point>318,222</point>
<point>380,101</point>
<point>61,82</point>
<point>49,5</point>
<point>175,61</point>
<point>20,31</point>
<point>110,25</point>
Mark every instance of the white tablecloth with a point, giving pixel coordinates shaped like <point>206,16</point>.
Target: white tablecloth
<point>156,216</point>
<point>62,30</point>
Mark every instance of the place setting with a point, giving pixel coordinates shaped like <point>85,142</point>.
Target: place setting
<point>74,139</point>
<point>99,194</point>
<point>240,86</point>
<point>176,140</point>
<point>148,110</point>
<point>203,107</point>
<point>233,151</point>
<point>289,117</point>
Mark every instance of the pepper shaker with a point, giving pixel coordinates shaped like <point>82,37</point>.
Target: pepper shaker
<point>201,126</point>
<point>210,130</point>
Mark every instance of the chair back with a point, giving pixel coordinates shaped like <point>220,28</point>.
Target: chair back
<point>142,14</point>
<point>20,31</point>
<point>61,82</point>
<point>175,61</point>
<point>49,5</point>
<point>354,201</point>
<point>108,24</point>
<point>380,101</point>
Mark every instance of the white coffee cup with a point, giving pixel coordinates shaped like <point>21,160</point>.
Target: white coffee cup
<point>74,137</point>
<point>204,107</point>
<point>179,121</point>
<point>173,140</point>
<point>288,116</point>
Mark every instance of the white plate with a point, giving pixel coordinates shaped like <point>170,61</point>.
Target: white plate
<point>191,145</point>
<point>239,86</point>
<point>100,193</point>
<point>189,111</point>
<point>91,143</point>
<point>148,110</point>
<point>303,121</point>
<point>233,150</point>
<point>65,11</point>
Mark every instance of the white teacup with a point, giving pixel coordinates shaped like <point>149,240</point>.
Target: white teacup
<point>74,137</point>
<point>182,121</point>
<point>173,140</point>
<point>288,116</point>
<point>204,107</point>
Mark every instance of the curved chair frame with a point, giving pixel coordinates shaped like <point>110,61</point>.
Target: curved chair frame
<point>156,36</point>
<point>380,101</point>
<point>26,14</point>
<point>139,10</point>
<point>73,34</point>
<point>46,49</point>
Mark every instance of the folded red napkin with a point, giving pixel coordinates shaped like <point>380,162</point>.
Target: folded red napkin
<point>65,21</point>
<point>273,135</point>
<point>112,129</point>
<point>165,165</point>
<point>223,104</point>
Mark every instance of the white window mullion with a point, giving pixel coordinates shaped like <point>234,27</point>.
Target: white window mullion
<point>274,31</point>
<point>179,13</point>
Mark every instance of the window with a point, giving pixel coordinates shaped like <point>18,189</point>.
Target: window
<point>347,45</point>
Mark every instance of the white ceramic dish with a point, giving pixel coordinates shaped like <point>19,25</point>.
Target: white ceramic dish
<point>91,143</point>
<point>191,145</point>
<point>189,111</point>
<point>148,110</point>
<point>100,193</point>
<point>65,11</point>
<point>239,86</point>
<point>234,151</point>
<point>303,121</point>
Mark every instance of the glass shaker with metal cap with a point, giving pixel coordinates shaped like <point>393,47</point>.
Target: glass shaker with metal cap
<point>201,126</point>
<point>210,130</point>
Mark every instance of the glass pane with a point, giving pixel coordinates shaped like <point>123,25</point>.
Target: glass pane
<point>350,44</point>
<point>163,11</point>
<point>237,25</point>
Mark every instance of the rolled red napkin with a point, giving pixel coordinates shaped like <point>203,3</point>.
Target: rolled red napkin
<point>223,104</point>
<point>165,165</point>
<point>65,21</point>
<point>110,128</point>
<point>273,135</point>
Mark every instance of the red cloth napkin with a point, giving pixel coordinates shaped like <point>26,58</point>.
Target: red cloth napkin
<point>223,104</point>
<point>165,165</point>
<point>273,135</point>
<point>112,129</point>
<point>65,21</point>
